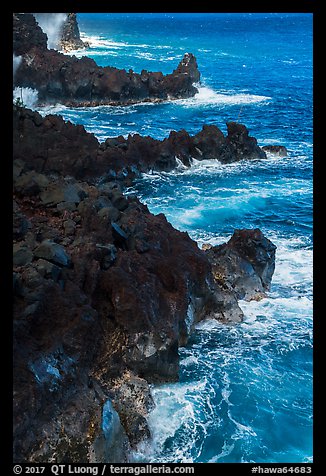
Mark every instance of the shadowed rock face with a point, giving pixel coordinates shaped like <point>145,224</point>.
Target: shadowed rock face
<point>240,145</point>
<point>105,292</point>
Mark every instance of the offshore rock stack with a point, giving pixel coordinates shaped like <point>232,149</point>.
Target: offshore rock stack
<point>70,36</point>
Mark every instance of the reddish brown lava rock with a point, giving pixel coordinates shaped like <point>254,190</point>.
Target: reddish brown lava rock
<point>105,292</point>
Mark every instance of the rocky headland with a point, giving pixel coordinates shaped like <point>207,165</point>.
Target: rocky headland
<point>105,291</point>
<point>81,82</point>
<point>56,146</point>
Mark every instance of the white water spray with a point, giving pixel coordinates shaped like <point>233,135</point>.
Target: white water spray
<point>51,24</point>
<point>206,96</point>
<point>16,60</point>
<point>27,96</point>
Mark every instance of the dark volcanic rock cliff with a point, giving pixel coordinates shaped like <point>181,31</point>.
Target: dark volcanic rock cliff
<point>80,82</point>
<point>105,292</point>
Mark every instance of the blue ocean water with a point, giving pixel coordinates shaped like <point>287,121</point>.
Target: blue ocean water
<point>245,391</point>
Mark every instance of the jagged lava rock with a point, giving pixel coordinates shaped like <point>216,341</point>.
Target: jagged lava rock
<point>53,145</point>
<point>239,145</point>
<point>180,83</point>
<point>188,65</point>
<point>245,263</point>
<point>81,82</point>
<point>209,143</point>
<point>103,289</point>
<point>27,34</point>
<point>119,306</point>
<point>57,146</point>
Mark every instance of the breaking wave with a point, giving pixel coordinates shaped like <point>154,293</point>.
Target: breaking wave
<point>27,96</point>
<point>207,96</point>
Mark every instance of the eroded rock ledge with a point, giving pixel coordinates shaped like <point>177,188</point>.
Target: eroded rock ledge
<point>105,291</point>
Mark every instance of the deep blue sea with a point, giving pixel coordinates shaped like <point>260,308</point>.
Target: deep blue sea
<point>245,391</point>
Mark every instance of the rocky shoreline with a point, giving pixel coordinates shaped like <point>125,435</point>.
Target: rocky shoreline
<point>70,38</point>
<point>105,292</point>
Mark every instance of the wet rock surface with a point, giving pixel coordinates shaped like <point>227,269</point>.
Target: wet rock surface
<point>278,150</point>
<point>245,263</point>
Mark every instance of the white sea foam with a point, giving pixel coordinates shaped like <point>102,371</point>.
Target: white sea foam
<point>206,96</point>
<point>210,167</point>
<point>294,307</point>
<point>98,46</point>
<point>16,60</point>
<point>28,96</point>
<point>191,215</point>
<point>190,360</point>
<point>226,450</point>
<point>294,267</point>
<point>178,404</point>
<point>208,325</point>
<point>52,109</point>
<point>98,41</point>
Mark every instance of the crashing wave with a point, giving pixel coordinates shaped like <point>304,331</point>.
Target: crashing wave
<point>27,96</point>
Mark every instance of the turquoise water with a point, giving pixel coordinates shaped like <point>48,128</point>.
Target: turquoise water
<point>245,392</point>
